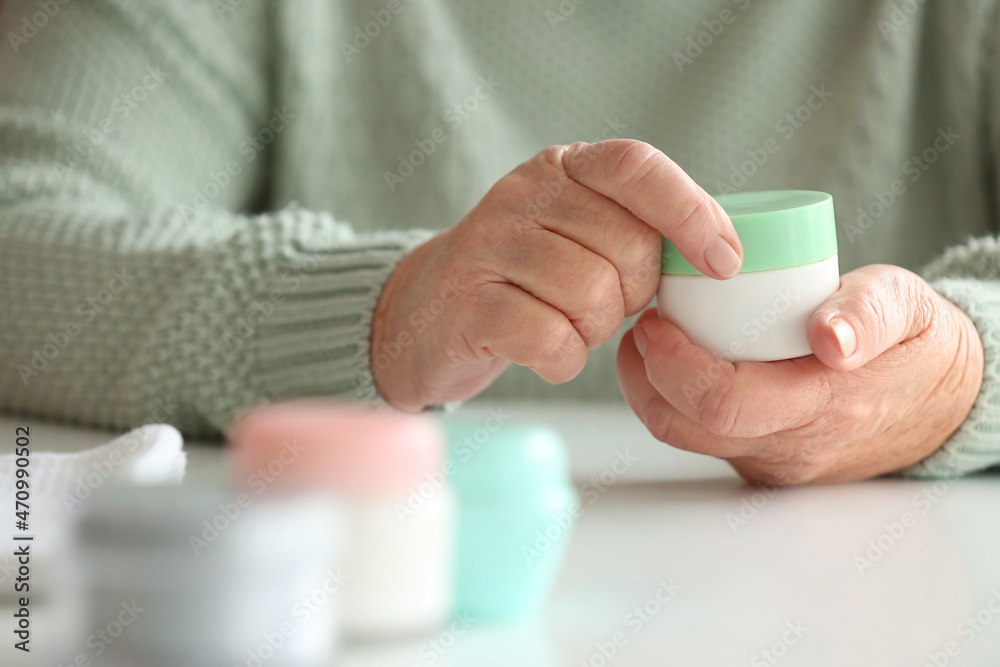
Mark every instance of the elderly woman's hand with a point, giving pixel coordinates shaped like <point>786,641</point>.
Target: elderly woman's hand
<point>545,267</point>
<point>895,372</point>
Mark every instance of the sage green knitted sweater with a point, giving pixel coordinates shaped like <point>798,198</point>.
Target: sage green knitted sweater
<point>201,200</point>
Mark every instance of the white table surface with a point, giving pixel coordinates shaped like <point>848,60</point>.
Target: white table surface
<point>740,588</point>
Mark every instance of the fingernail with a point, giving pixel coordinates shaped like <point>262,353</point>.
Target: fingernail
<point>641,338</point>
<point>846,338</point>
<point>722,258</point>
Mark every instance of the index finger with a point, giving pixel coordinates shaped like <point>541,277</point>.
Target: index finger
<point>654,189</point>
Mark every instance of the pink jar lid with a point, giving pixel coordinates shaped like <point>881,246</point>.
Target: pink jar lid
<point>356,450</point>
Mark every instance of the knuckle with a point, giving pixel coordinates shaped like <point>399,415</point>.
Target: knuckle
<point>894,302</point>
<point>552,156</point>
<point>921,300</point>
<point>718,410</point>
<point>647,245</point>
<point>556,344</point>
<point>636,160</point>
<point>604,294</point>
<point>870,309</point>
<point>660,423</point>
<point>642,277</point>
<point>696,208</point>
<point>598,328</point>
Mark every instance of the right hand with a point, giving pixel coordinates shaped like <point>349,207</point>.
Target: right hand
<point>545,267</point>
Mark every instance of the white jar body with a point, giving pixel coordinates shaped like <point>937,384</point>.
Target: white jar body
<point>759,316</point>
<point>400,565</point>
<point>214,580</point>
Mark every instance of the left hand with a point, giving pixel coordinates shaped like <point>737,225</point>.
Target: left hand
<point>895,371</point>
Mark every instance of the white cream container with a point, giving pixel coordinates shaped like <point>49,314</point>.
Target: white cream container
<point>203,576</point>
<point>789,269</point>
<point>400,558</point>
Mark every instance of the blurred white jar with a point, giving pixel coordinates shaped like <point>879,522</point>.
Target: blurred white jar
<point>201,575</point>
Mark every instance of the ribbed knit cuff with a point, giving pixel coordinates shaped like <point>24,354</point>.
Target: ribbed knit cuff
<point>284,311</point>
<point>317,340</point>
<point>975,445</point>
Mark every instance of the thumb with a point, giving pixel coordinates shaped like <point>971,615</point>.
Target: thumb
<point>876,308</point>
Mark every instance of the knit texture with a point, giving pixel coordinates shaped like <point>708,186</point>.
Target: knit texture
<point>201,201</point>
<point>969,277</point>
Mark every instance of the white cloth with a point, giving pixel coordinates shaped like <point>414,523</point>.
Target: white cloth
<point>151,454</point>
<point>62,483</point>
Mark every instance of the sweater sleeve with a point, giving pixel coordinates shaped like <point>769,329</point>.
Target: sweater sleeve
<point>139,279</point>
<point>969,277</point>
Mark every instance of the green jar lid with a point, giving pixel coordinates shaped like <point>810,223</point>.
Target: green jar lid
<point>778,229</point>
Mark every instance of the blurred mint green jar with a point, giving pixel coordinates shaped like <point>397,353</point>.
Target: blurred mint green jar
<point>516,508</point>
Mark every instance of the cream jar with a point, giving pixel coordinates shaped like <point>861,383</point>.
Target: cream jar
<point>399,510</point>
<point>516,512</point>
<point>789,269</point>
